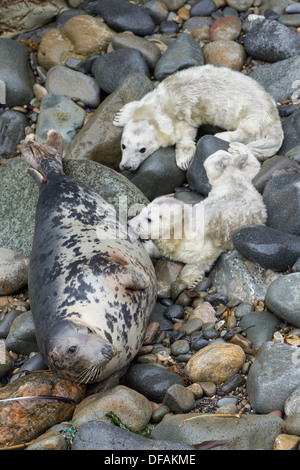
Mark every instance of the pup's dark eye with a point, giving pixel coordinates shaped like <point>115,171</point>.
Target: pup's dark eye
<point>72,349</point>
<point>143,150</point>
<point>123,146</point>
<point>148,220</point>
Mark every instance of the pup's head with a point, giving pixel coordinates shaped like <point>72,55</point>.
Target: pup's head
<point>159,220</point>
<point>238,159</point>
<point>139,140</point>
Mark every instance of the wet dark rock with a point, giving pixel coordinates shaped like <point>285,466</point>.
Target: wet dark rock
<point>196,174</point>
<point>282,199</point>
<point>271,41</point>
<point>184,52</point>
<point>121,15</point>
<point>271,248</point>
<point>282,298</point>
<point>259,327</point>
<point>151,380</point>
<point>111,69</point>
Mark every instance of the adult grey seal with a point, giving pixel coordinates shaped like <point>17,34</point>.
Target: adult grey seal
<point>92,286</point>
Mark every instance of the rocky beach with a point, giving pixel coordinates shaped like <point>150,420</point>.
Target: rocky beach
<point>219,365</point>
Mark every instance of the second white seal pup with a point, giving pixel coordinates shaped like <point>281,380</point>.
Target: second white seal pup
<point>198,234</point>
<point>173,111</point>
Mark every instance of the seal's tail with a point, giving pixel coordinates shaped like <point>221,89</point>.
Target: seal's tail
<point>44,158</point>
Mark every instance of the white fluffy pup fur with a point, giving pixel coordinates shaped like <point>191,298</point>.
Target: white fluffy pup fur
<point>173,111</point>
<point>198,234</point>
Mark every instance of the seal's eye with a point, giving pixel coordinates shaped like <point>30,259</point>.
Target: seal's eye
<point>143,150</point>
<point>149,220</point>
<point>72,349</point>
<point>123,146</point>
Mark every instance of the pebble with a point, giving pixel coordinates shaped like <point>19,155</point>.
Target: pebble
<point>130,406</point>
<point>286,442</point>
<point>180,347</point>
<point>282,200</point>
<point>227,28</point>
<point>13,271</point>
<point>151,380</point>
<point>21,337</point>
<point>203,8</point>
<point>12,130</point>
<point>174,5</point>
<point>196,173</point>
<point>292,424</point>
<point>290,20</point>
<point>174,311</point>
<point>61,113</point>
<point>82,36</point>
<point>200,344</point>
<point>225,53</point>
<point>226,401</point>
<point>272,167</point>
<point>240,5</point>
<point>290,127</point>
<point>74,85</point>
<point>122,16</point>
<point>149,50</point>
<point>166,273</point>
<point>271,248</point>
<point>259,326</point>
<point>99,139</point>
<point>271,41</point>
<point>252,432</point>
<point>293,8</point>
<point>182,53</point>
<point>292,403</point>
<point>158,174</point>
<point>16,73</point>
<point>282,298</point>
<point>215,363</point>
<point>99,435</point>
<point>111,69</point>
<point>273,376</point>
<point>179,399</point>
<point>157,10</point>
<point>34,417</point>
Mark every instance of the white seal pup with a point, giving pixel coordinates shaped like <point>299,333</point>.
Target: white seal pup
<point>91,285</point>
<point>173,111</point>
<point>198,234</point>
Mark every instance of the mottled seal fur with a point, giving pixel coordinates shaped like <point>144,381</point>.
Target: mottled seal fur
<point>92,286</point>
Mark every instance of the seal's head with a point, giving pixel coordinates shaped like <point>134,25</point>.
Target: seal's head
<point>76,352</point>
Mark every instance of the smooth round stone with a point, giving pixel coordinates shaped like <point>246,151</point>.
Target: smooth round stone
<point>151,380</point>
<point>200,344</point>
<point>271,248</point>
<point>279,79</point>
<point>293,8</point>
<point>179,399</point>
<point>290,20</point>
<point>282,199</point>
<point>13,271</point>
<point>192,325</point>
<point>291,129</point>
<point>157,10</point>
<point>229,11</point>
<point>292,424</point>
<point>158,174</point>
<point>60,113</point>
<point>66,16</point>
<point>196,23</point>
<point>259,327</point>
<point>72,84</point>
<point>240,5</point>
<point>203,8</point>
<point>21,337</point>
<point>180,346</point>
<point>271,41</point>
<point>232,383</point>
<point>174,311</point>
<point>16,73</point>
<point>12,130</point>
<point>122,16</point>
<point>292,404</point>
<point>271,15</point>
<point>196,173</point>
<point>182,53</point>
<point>282,298</point>
<point>225,53</point>
<point>273,166</point>
<point>149,50</point>
<point>226,401</point>
<point>168,27</point>
<point>111,69</point>
<point>7,321</point>
<point>216,299</point>
<point>227,28</point>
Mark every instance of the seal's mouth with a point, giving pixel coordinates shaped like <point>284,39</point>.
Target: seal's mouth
<point>93,372</point>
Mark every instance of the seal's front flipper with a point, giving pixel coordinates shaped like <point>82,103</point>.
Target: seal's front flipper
<point>45,158</point>
<point>134,278</point>
<point>37,176</point>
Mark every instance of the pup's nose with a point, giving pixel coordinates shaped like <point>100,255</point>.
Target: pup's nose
<point>125,166</point>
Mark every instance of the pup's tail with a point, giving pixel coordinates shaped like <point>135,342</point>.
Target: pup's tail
<point>44,158</point>
<point>268,146</point>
